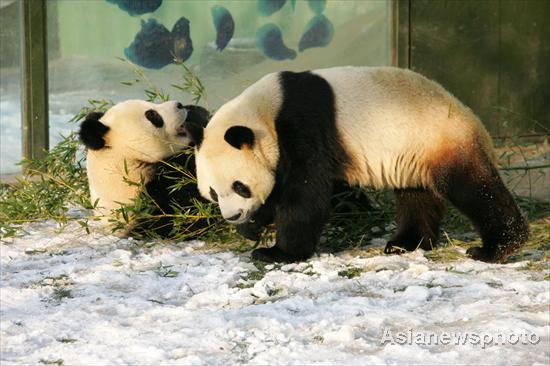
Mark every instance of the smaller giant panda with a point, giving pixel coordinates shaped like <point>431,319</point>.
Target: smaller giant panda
<point>287,139</point>
<point>135,141</point>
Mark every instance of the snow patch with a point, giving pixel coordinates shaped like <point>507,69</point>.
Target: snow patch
<point>101,299</point>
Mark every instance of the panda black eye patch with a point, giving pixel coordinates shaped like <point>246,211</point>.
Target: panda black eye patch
<point>155,118</point>
<point>214,195</point>
<point>241,189</point>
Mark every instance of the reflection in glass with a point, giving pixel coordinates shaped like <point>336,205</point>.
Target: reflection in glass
<point>227,44</point>
<point>10,88</point>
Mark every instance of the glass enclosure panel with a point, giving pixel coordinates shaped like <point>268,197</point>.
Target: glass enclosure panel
<point>227,44</point>
<point>10,87</point>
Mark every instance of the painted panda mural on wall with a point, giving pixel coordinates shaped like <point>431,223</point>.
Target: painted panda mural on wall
<point>282,144</point>
<point>132,141</point>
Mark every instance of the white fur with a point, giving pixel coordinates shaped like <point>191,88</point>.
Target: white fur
<point>395,124</point>
<point>219,164</point>
<point>233,205</point>
<point>385,112</point>
<point>130,144</point>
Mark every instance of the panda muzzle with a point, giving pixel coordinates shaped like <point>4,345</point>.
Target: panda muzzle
<point>238,218</point>
<point>234,217</point>
<point>182,131</point>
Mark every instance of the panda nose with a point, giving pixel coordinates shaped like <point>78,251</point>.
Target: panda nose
<point>181,130</point>
<point>179,105</point>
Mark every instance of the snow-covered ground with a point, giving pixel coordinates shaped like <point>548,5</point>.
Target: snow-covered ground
<point>97,299</point>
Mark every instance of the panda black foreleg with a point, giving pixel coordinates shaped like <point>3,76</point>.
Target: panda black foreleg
<point>478,192</point>
<point>296,239</point>
<point>300,215</point>
<point>419,214</point>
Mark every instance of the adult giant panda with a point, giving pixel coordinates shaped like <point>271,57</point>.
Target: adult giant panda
<point>137,141</point>
<point>290,136</point>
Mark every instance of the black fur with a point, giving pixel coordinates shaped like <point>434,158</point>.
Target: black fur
<point>92,131</point>
<point>95,115</point>
<point>197,114</point>
<point>344,199</point>
<point>241,189</point>
<point>196,133</point>
<point>213,195</point>
<point>195,122</point>
<point>311,160</point>
<point>239,136</point>
<point>419,214</point>
<point>160,189</point>
<point>476,189</point>
<point>474,186</point>
<point>155,118</point>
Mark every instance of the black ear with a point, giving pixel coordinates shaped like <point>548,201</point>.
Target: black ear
<point>92,131</point>
<point>94,115</point>
<point>197,114</point>
<point>196,133</point>
<point>237,136</point>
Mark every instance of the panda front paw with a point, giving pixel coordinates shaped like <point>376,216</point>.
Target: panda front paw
<point>271,255</point>
<point>475,252</point>
<point>392,247</point>
<point>250,231</point>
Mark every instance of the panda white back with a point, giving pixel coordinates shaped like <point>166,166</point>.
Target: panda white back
<point>396,124</point>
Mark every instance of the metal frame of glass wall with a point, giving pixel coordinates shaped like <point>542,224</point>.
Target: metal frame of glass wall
<point>34,79</point>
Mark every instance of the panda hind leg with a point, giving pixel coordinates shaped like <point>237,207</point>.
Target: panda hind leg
<point>479,193</point>
<point>419,214</point>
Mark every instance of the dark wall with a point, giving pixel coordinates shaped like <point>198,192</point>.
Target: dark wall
<point>494,55</point>
<point>9,35</point>
<point>10,22</point>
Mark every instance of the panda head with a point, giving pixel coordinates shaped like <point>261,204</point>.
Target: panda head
<point>143,131</point>
<point>235,164</point>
